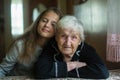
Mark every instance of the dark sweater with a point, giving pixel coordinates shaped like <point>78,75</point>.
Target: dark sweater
<point>51,65</point>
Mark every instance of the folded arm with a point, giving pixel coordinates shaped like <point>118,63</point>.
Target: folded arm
<point>10,59</point>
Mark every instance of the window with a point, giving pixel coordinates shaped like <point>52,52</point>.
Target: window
<point>16,17</point>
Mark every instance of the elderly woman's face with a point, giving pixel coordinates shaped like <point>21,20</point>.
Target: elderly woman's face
<point>68,41</point>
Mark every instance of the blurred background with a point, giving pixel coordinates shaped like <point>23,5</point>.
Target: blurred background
<point>17,15</point>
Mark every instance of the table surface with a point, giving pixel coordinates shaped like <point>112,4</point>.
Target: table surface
<point>25,78</point>
<point>114,75</point>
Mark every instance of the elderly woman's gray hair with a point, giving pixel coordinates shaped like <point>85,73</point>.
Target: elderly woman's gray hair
<point>72,22</point>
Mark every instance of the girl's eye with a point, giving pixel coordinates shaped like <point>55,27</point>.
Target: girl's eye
<point>54,24</point>
<point>44,20</point>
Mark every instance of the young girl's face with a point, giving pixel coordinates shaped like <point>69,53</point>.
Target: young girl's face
<point>47,24</point>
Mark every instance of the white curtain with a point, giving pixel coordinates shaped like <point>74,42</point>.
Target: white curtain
<point>113,31</point>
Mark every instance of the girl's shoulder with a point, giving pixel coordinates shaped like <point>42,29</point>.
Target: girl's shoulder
<point>19,45</point>
<point>19,42</point>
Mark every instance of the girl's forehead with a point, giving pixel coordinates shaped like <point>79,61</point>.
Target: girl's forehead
<point>51,15</point>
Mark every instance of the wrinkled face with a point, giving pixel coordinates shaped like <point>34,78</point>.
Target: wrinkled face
<point>68,41</point>
<point>47,24</point>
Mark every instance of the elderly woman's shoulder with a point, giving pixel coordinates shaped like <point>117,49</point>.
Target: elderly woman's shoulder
<point>88,46</point>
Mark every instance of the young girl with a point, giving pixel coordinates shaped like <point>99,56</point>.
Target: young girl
<point>25,50</point>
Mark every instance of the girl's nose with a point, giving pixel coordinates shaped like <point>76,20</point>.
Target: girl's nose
<point>48,24</point>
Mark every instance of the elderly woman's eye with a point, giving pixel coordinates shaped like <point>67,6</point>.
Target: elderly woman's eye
<point>74,37</point>
<point>63,36</point>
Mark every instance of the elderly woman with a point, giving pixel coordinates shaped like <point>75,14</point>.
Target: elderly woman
<point>70,56</point>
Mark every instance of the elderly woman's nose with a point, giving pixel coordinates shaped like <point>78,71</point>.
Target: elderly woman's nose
<point>68,40</point>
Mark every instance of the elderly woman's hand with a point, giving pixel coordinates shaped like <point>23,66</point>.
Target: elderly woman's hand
<point>75,64</point>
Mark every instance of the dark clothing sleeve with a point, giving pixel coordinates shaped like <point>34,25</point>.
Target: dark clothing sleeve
<point>95,68</point>
<point>48,67</point>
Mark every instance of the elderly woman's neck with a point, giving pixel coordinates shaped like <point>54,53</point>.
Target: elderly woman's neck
<point>67,58</point>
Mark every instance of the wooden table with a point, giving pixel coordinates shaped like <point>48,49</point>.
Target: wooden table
<point>114,75</point>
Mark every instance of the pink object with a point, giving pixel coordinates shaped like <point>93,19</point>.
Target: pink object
<point>113,47</point>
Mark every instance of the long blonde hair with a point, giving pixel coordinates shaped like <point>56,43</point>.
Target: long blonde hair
<point>31,36</point>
